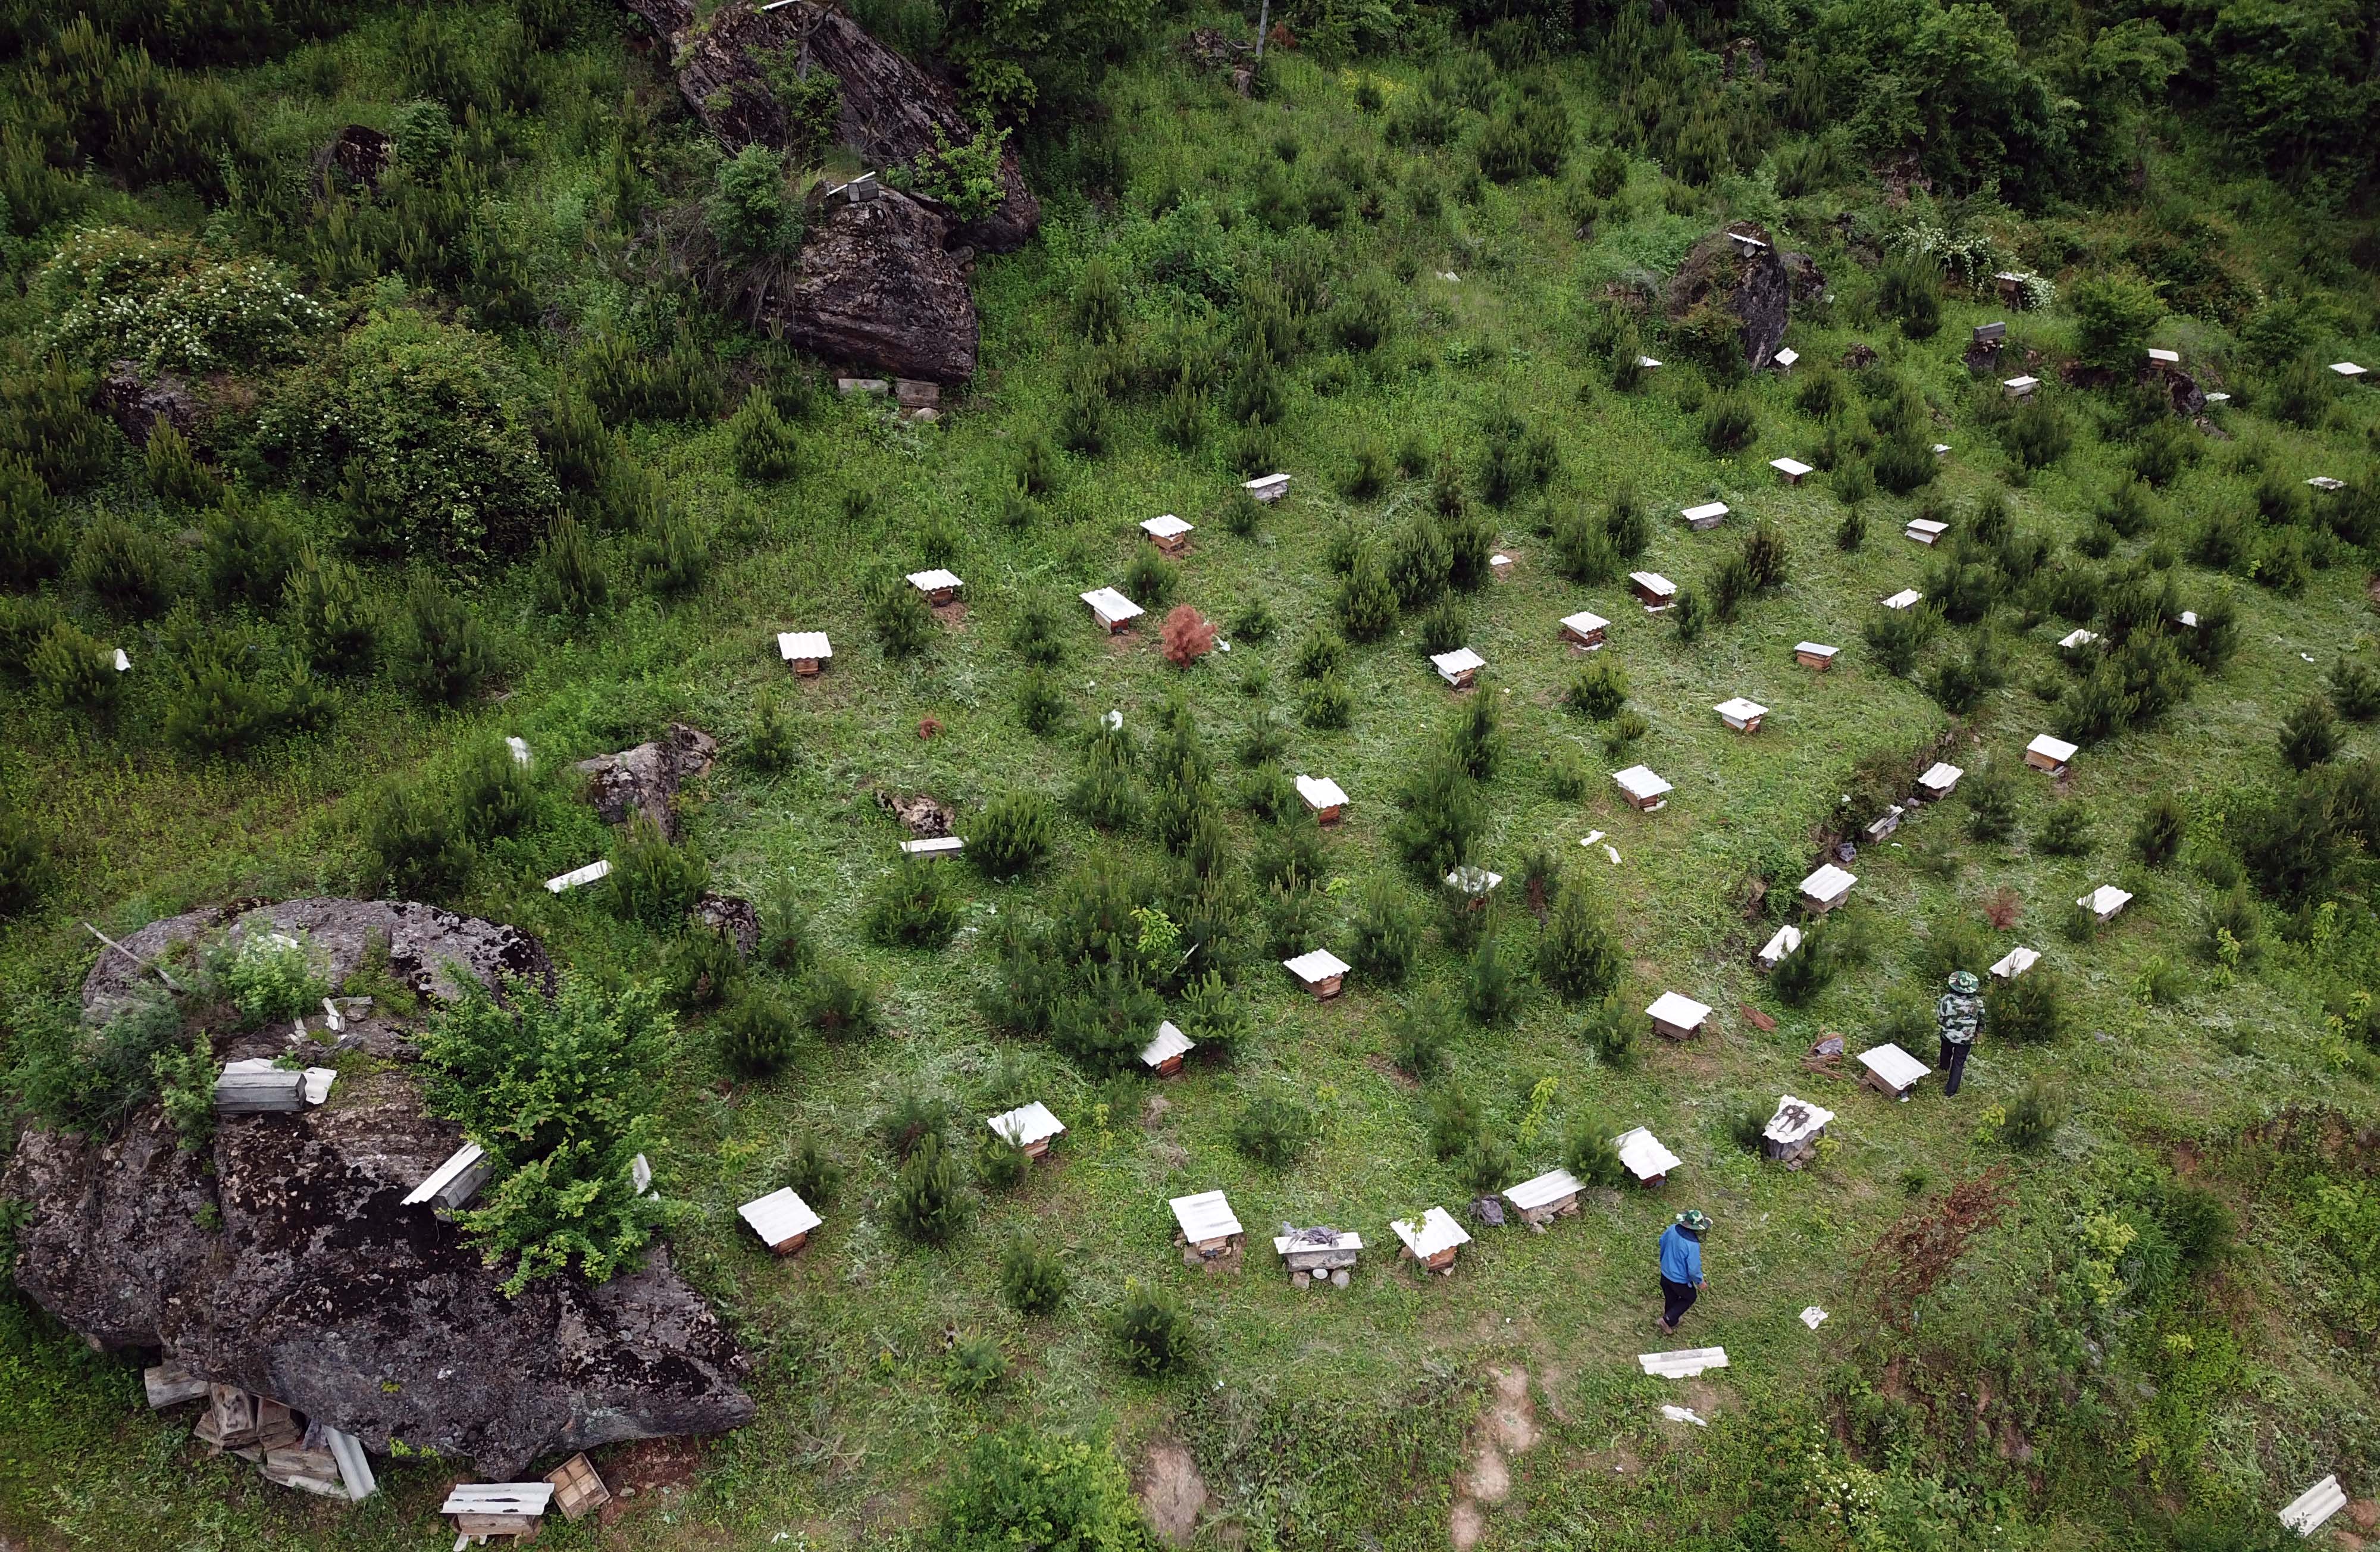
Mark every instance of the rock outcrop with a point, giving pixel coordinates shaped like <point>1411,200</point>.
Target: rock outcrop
<point>281,1261</point>
<point>891,110</point>
<point>1756,287</point>
<point>139,398</point>
<point>875,286</point>
<point>426,946</point>
<point>645,779</point>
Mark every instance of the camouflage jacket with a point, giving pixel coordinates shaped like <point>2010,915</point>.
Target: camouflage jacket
<point>1958,1016</point>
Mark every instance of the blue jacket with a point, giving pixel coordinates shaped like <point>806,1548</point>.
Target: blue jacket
<point>1682,1258</point>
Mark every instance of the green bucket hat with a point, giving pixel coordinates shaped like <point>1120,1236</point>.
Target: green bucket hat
<point>1964,981</point>
<point>1695,1220</point>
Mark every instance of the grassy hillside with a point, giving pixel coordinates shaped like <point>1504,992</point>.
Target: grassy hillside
<point>2163,1334</point>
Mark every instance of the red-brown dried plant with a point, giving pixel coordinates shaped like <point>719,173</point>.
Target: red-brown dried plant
<point>2002,909</point>
<point>1916,1254</point>
<point>931,727</point>
<point>1188,635</point>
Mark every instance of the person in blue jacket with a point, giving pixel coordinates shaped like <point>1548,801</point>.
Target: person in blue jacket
<point>1682,1267</point>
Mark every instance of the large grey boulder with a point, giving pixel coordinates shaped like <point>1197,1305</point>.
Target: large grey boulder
<point>1758,289</point>
<point>308,1282</point>
<point>646,779</point>
<point>876,287</point>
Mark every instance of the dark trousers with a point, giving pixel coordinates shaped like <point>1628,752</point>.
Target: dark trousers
<point>1677,1298</point>
<point>1954,1062</point>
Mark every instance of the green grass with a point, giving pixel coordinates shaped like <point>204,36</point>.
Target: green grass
<point>1328,1418</point>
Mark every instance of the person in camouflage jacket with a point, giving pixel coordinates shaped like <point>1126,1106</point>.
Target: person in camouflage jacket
<point>1958,1016</point>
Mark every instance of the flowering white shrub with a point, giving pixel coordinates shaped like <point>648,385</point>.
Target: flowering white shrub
<point>113,294</point>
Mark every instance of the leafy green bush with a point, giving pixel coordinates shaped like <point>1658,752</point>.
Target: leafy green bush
<point>271,977</point>
<point>322,599</point>
<point>442,655</point>
<point>2114,311</point>
<point>185,1078</point>
<point>110,294</point>
<point>414,841</point>
<point>1032,1279</point>
<point>426,427</point>
<point>914,908</point>
<point>1151,1329</point>
<point>553,1089</point>
<point>1022,1489</point>
<point>1272,1129</point>
<point>652,882</point>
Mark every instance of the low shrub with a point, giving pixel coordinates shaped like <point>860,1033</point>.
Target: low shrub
<point>813,1174</point>
<point>770,745</point>
<point>324,601</point>
<point>2035,1115</point>
<point>1032,1279</point>
<point>1151,1329</point>
<point>1491,992</point>
<point>1598,690</point>
<point>838,1004</point>
<point>652,882</point>
<point>1328,704</point>
<point>704,970</point>
<point>757,1036</point>
<point>1417,1038</point>
<point>1487,1165</point>
<point>914,908</point>
<point>443,657</point>
<point>416,840</point>
<point>1384,934</point>
<point>1578,954</point>
<point>761,444</point>
<point>670,551</point>
<point>927,1204</point>
<point>1590,1154</point>
<point>2028,1010</point>
<point>73,671</point>
<point>1272,1130</point>
<point>2308,735</point>
<point>127,571</point>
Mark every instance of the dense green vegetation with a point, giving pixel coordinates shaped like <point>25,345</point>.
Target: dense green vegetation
<point>489,448</point>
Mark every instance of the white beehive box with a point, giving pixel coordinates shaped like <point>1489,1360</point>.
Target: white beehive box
<point>2328,484</point>
<point>1319,971</point>
<point>2105,901</point>
<point>1266,487</point>
<point>939,585</point>
<point>1705,517</point>
<point>257,1087</point>
<point>2218,398</point>
<point>1656,591</point>
<point>1169,533</point>
<point>1786,358</point>
<point>1648,364</point>
<point>1646,791</point>
<point>1939,780</point>
<point>1908,598</point>
<point>1791,471</point>
<point>1892,1071</point>
<point>1791,1138</point>
<point>122,660</point>
<point>1677,1016</point>
<point>2187,619</point>
<point>782,1219</point>
<point>1206,1221</point>
<point>486,1508</point>
<point>1458,668</point>
<point>1499,565</point>
<point>1683,1364</point>
<point>933,846</point>
<point>1941,450</point>
<point>1323,796</point>
<point>2015,962</point>
<point>1315,1255</point>
<point>2050,754</point>
<point>805,651</point>
<point>1784,940</point>
<point>1815,654</point>
<point>1884,824</point>
<point>2075,641</point>
<point>1543,1197</point>
<point>452,1184</point>
<point>594,872</point>
<point>2164,358</point>
<point>1477,882</point>
<point>1111,609</point>
<point>1586,629</point>
<point>1645,1156</point>
<point>1433,1240</point>
<point>2346,369</point>
<point>2311,1510</point>
<point>2020,387</point>
<point>1030,1127</point>
<point>1926,530</point>
<point>1826,888</point>
<point>1741,715</point>
<point>1162,1056</point>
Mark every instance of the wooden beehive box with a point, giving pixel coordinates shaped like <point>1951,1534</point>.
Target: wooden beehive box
<point>1542,1198</point>
<point>1708,516</point>
<point>1884,824</point>
<point>783,1221</point>
<point>1677,1017</point>
<point>1784,940</point>
<point>1940,780</point>
<point>1266,487</point>
<point>1208,1229</point>
<point>1790,470</point>
<point>1320,1254</point>
<point>1432,1240</point>
<point>2106,901</point>
<point>1891,1070</point>
<point>451,1186</point>
<point>1323,797</point>
<point>805,651</point>
<point>1992,334</point>
<point>1163,1055</point>
<point>1584,629</point>
<point>1114,610</point>
<point>1169,533</point>
<point>306,1471</point>
<point>1784,360</point>
<point>2011,286</point>
<point>577,1489</point>
<point>229,1421</point>
<point>1645,1156</point>
<point>171,1383</point>
<point>1030,1127</point>
<point>1458,668</point>
<point>938,587</point>
<point>1646,792</point>
<point>2050,754</point>
<point>1791,1138</point>
<point>932,848</point>
<point>2165,360</point>
<point>1655,591</point>
<point>1926,530</point>
<point>1815,654</point>
<point>497,1508</point>
<point>1320,972</point>
<point>2348,369</point>
<point>2020,387</point>
<point>1908,598</point>
<point>1826,889</point>
<point>257,1087</point>
<point>2015,962</point>
<point>1741,715</point>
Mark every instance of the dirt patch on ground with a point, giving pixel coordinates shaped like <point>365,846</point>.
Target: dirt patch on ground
<point>952,615</point>
<point>1172,1492</point>
<point>644,1474</point>
<point>1508,1428</point>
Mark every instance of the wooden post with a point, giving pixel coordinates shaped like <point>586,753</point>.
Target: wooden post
<point>1264,20</point>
